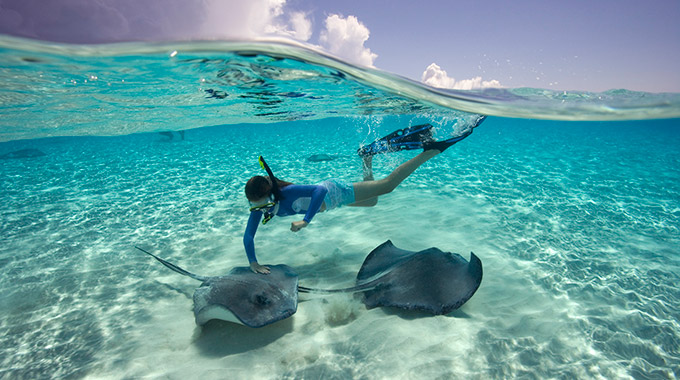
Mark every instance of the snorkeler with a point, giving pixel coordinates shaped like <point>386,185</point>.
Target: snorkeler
<point>271,197</point>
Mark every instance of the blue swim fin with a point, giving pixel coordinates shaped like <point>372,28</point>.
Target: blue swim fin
<point>402,139</point>
<point>443,145</point>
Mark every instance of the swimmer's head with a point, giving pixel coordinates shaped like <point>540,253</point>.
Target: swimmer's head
<point>258,188</point>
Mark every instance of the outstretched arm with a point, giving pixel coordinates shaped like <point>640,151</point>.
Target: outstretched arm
<point>249,242</point>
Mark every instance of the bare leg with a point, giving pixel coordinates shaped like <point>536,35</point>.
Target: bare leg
<point>368,176</point>
<point>366,192</point>
<point>368,168</point>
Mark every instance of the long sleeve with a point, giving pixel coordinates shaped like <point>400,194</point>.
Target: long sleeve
<point>249,235</point>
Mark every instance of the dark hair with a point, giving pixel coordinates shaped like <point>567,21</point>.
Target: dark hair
<point>259,187</point>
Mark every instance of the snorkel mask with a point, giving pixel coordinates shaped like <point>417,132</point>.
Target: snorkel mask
<point>270,208</point>
<point>264,206</point>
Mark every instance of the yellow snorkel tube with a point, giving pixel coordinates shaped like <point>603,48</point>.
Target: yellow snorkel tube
<point>276,192</point>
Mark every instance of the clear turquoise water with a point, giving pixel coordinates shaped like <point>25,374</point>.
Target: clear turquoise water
<point>577,222</point>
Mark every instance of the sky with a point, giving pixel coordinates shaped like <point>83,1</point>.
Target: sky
<point>462,44</point>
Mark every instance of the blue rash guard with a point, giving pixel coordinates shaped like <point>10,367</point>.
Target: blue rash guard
<point>297,199</point>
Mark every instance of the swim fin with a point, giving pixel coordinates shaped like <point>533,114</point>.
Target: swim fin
<point>443,145</point>
<point>402,139</point>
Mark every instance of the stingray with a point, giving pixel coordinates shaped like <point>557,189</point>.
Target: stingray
<point>321,158</point>
<point>23,153</point>
<point>242,296</point>
<point>430,280</point>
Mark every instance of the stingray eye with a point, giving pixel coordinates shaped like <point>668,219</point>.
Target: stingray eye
<point>261,299</point>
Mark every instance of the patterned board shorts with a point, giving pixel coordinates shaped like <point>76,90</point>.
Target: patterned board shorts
<point>340,193</point>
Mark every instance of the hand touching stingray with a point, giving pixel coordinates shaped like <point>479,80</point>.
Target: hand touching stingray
<point>257,268</point>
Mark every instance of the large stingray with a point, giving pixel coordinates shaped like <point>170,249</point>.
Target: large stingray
<point>430,280</point>
<point>242,296</point>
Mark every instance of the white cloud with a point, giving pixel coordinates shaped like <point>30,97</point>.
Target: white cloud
<point>302,26</point>
<point>345,37</point>
<point>253,18</point>
<point>436,77</point>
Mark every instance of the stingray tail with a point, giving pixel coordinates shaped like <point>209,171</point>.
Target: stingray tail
<point>174,267</point>
<point>354,289</point>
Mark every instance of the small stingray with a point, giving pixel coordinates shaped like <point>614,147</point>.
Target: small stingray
<point>430,280</point>
<point>23,153</point>
<point>321,158</point>
<point>242,296</point>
